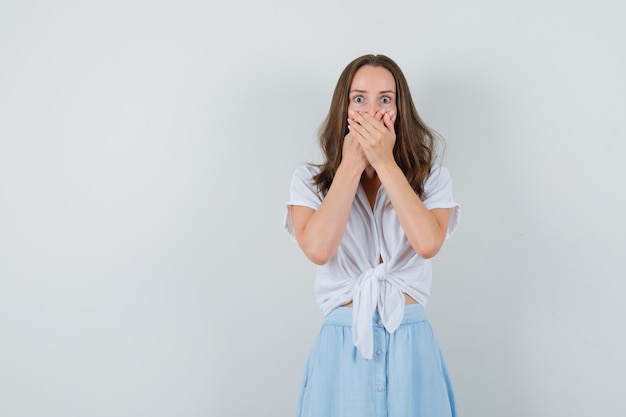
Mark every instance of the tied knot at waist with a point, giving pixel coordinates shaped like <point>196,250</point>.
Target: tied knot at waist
<point>375,287</point>
<point>379,273</point>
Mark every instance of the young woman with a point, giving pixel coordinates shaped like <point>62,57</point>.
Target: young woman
<point>371,216</point>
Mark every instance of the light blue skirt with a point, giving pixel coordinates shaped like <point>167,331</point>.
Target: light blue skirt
<point>406,377</point>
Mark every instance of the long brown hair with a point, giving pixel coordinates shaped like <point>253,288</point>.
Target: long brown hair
<point>414,149</point>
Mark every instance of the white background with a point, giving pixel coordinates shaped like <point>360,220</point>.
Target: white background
<point>146,149</point>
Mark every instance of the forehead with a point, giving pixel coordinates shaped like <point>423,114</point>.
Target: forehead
<point>373,79</point>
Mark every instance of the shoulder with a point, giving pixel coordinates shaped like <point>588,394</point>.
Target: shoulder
<point>438,175</point>
<point>438,185</point>
<point>306,171</point>
<point>303,186</point>
<point>438,193</point>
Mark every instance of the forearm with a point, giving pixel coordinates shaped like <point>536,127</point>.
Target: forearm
<point>422,228</point>
<point>322,234</point>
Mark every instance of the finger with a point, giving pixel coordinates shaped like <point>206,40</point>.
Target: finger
<point>390,113</point>
<point>365,120</point>
<point>357,118</point>
<point>352,114</point>
<point>372,124</point>
<point>388,122</point>
<point>356,121</point>
<point>363,129</point>
<point>389,119</point>
<point>362,142</point>
<point>358,132</point>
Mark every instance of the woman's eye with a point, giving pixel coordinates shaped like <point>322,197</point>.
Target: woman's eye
<point>385,100</point>
<point>358,99</point>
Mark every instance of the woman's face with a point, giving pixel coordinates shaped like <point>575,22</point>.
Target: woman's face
<point>372,89</point>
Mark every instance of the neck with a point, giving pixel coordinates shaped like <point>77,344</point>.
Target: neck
<point>369,178</point>
<point>370,173</point>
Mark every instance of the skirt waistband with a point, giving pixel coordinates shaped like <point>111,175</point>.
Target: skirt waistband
<point>342,316</point>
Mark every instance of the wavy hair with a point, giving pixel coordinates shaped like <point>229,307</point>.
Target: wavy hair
<point>414,149</point>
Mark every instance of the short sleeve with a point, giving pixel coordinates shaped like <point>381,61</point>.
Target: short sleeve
<point>303,193</point>
<point>438,194</point>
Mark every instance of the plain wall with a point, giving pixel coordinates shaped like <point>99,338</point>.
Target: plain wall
<point>146,149</point>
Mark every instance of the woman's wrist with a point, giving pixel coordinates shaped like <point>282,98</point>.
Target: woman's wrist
<point>350,169</point>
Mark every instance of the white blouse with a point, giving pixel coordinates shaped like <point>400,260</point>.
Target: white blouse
<point>354,272</point>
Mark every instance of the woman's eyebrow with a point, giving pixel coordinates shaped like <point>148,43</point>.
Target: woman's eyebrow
<point>380,92</point>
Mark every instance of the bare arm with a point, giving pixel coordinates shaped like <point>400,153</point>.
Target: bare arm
<point>425,229</point>
<point>319,232</point>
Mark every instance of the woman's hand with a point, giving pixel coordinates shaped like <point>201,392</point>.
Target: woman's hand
<point>352,153</point>
<point>375,134</point>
